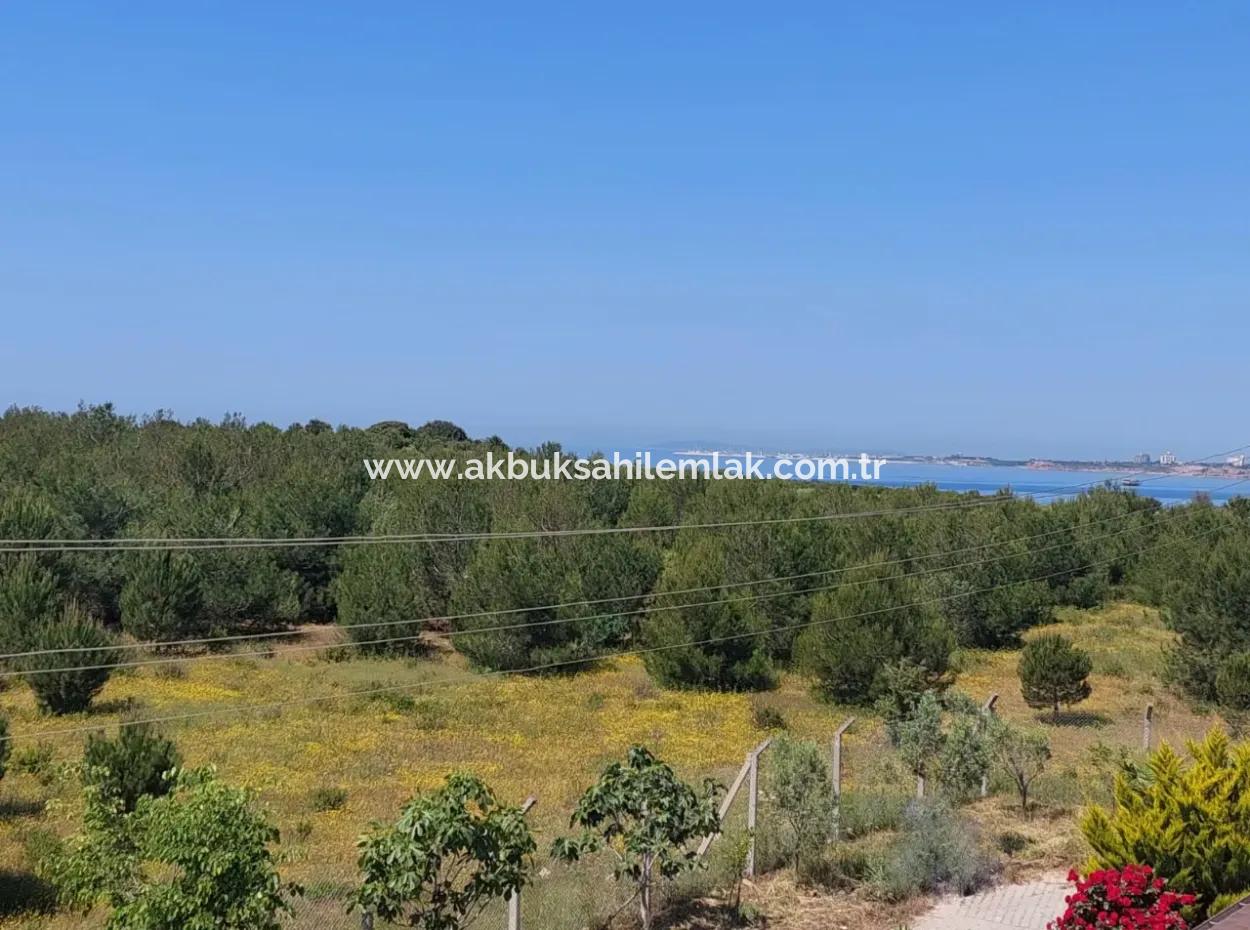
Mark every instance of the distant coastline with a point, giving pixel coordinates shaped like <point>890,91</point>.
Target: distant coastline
<point>1180,469</point>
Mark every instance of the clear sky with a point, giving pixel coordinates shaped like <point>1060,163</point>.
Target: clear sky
<point>1000,227</point>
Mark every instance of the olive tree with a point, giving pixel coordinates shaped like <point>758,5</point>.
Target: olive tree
<point>1021,754</point>
<point>449,855</point>
<point>648,818</point>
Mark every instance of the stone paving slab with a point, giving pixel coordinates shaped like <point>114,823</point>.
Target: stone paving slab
<point>1009,907</point>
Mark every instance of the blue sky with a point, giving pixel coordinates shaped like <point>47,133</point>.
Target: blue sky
<point>1009,228</point>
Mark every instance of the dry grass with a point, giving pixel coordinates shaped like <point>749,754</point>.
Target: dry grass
<point>548,737</point>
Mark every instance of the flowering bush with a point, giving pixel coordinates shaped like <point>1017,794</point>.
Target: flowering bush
<point>1130,898</point>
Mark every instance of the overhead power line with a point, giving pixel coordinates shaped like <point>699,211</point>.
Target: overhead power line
<point>548,666</point>
<point>187,543</point>
<point>450,618</point>
<point>21,673</point>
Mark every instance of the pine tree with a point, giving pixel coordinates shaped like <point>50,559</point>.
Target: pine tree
<point>1054,672</point>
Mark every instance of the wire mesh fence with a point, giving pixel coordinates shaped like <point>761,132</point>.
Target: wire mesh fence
<point>873,787</point>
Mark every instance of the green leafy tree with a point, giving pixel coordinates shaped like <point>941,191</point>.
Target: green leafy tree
<point>161,598</point>
<point>801,790</point>
<point>902,684</point>
<point>965,756</point>
<point>1021,754</point>
<point>451,853</point>
<point>77,652</point>
<point>200,857</point>
<point>920,738</point>
<point>1053,672</point>
<point>1190,820</point>
<point>874,618</point>
<point>138,762</point>
<point>648,818</point>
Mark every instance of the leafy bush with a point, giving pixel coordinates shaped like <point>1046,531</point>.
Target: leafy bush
<point>1189,820</point>
<point>34,760</point>
<point>200,856</point>
<point>65,682</point>
<point>139,762</point>
<point>1130,899</point>
<point>161,598</point>
<point>865,812</point>
<point>1011,842</point>
<point>767,717</point>
<point>328,799</point>
<point>647,817</point>
<point>936,851</point>
<point>800,788</point>
<point>901,686</point>
<point>1054,672</point>
<point>450,854</point>
<point>964,758</point>
<point>1232,684</point>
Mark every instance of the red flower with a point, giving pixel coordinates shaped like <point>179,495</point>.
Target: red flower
<point>1129,898</point>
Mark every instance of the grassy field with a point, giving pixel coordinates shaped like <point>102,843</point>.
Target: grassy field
<point>541,737</point>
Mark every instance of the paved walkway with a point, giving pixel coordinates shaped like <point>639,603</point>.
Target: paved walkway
<point>1008,907</point>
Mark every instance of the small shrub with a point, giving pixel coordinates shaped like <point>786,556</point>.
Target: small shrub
<point>169,671</point>
<point>430,714</point>
<point>1010,842</point>
<point>936,852</point>
<point>865,812</point>
<point>37,760</point>
<point>1190,820</point>
<point>840,869</point>
<point>596,700</point>
<point>767,717</point>
<point>1129,899</point>
<point>138,762</point>
<point>65,682</point>
<point>303,831</point>
<point>328,799</point>
<point>1232,684</point>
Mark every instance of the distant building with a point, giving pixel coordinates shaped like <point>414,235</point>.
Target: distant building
<point>1167,458</point>
<point>1237,461</point>
<point>1142,458</point>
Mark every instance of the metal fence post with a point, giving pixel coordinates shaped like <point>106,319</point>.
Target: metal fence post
<point>987,711</point>
<point>514,899</point>
<point>836,774</point>
<point>1147,721</point>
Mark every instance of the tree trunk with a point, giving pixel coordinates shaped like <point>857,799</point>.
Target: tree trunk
<point>644,898</point>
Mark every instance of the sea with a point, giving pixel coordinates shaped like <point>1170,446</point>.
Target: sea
<point>1045,484</point>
